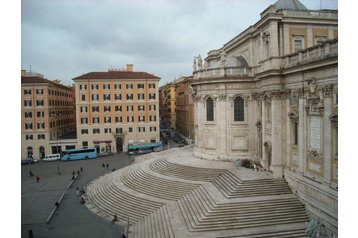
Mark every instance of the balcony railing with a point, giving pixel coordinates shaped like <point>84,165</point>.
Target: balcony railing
<point>222,72</point>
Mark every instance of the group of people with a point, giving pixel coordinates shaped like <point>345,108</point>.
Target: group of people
<point>78,173</point>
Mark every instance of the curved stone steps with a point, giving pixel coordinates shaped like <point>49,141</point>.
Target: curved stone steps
<point>113,201</point>
<point>164,167</point>
<point>146,183</point>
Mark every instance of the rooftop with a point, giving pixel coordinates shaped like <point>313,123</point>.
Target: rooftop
<point>117,75</point>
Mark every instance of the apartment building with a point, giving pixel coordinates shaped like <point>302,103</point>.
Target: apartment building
<point>46,114</point>
<point>117,108</point>
<point>169,105</point>
<point>184,108</point>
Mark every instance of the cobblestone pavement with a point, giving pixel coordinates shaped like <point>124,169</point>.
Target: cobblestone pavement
<point>71,219</point>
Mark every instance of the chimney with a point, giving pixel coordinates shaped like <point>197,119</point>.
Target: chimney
<point>130,67</point>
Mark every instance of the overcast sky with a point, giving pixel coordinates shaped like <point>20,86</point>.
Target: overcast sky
<point>63,39</point>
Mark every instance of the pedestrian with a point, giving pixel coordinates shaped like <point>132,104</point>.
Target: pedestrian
<point>77,191</point>
<point>31,233</point>
<point>81,169</point>
<point>30,173</point>
<point>82,200</point>
<point>103,165</point>
<point>107,166</point>
<point>57,204</point>
<point>78,172</point>
<point>73,173</point>
<point>73,177</point>
<point>123,236</point>
<point>115,218</point>
<point>37,179</point>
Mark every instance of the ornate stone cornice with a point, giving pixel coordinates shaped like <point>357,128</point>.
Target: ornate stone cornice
<point>327,90</point>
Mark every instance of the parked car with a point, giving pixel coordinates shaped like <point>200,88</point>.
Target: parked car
<point>52,157</point>
<point>28,160</point>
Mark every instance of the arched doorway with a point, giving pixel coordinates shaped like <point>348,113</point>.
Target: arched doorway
<point>30,152</point>
<point>42,152</point>
<point>119,144</point>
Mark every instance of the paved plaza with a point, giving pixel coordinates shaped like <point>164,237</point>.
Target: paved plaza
<point>71,219</point>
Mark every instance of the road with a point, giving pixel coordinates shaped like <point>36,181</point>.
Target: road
<point>71,219</point>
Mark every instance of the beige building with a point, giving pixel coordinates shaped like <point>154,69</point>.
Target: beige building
<point>169,105</point>
<point>117,108</point>
<point>46,115</point>
<point>271,94</point>
<point>184,108</point>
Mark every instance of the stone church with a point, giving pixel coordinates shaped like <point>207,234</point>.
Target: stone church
<point>270,94</point>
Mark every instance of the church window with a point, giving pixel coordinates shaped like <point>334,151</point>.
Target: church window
<point>239,109</point>
<point>209,109</point>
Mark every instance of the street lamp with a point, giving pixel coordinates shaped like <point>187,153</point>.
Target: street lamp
<point>58,161</point>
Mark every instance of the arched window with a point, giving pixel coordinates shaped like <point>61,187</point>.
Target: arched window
<point>209,110</point>
<point>239,109</point>
<point>29,152</point>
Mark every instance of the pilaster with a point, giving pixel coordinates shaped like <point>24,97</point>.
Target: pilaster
<point>277,130</point>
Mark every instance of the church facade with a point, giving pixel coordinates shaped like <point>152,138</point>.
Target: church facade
<point>271,94</point>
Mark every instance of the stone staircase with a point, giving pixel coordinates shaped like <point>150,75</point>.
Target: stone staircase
<point>187,197</point>
<point>164,167</point>
<point>156,225</point>
<point>146,183</point>
<point>232,186</point>
<point>110,200</point>
<point>202,213</point>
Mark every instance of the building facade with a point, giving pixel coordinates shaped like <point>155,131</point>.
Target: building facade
<point>271,94</point>
<point>117,108</point>
<point>169,105</point>
<point>184,108</point>
<point>46,115</point>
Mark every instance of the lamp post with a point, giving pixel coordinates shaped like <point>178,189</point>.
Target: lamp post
<point>58,161</point>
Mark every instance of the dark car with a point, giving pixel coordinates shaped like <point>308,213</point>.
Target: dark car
<point>28,161</point>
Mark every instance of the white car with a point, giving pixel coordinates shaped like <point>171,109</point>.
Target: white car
<point>52,157</point>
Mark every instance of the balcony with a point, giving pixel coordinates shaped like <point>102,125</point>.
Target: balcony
<point>223,72</point>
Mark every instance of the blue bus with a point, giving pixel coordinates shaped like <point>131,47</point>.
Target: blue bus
<point>77,154</point>
<point>144,148</point>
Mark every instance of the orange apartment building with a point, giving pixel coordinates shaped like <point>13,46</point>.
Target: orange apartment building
<point>117,108</point>
<point>46,115</point>
<point>184,107</point>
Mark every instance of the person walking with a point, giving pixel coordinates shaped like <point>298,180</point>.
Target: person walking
<point>115,218</point>
<point>103,166</point>
<point>81,169</point>
<point>37,179</point>
<point>77,191</point>
<point>107,166</point>
<point>30,173</point>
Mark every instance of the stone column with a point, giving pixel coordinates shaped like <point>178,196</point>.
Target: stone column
<point>221,125</point>
<point>327,137</point>
<point>277,130</point>
<point>301,135</point>
<point>274,46</point>
<point>309,36</point>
